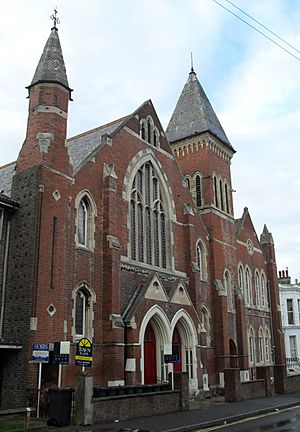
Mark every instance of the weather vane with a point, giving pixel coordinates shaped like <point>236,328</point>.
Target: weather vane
<point>54,17</point>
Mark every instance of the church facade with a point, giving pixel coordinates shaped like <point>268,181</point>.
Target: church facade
<point>126,235</point>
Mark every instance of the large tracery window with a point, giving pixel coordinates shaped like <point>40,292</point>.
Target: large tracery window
<point>149,132</point>
<point>148,219</point>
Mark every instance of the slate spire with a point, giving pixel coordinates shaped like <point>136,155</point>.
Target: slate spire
<point>194,114</point>
<point>51,67</point>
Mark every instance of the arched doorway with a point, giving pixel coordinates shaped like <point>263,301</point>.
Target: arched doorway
<point>184,342</point>
<point>149,355</point>
<point>177,350</point>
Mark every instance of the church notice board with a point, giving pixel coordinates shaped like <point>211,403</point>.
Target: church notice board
<point>84,353</point>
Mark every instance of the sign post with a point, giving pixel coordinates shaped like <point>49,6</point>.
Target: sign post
<point>171,358</point>
<point>40,355</point>
<point>61,356</point>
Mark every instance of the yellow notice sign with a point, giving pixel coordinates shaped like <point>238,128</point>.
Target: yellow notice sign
<point>84,353</point>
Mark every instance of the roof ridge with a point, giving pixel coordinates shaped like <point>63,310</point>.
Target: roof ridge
<point>7,165</point>
<point>96,128</point>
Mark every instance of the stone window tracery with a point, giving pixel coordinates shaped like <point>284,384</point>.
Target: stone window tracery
<point>149,132</point>
<point>148,221</point>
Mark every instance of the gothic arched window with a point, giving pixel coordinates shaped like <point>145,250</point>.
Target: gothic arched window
<point>205,326</point>
<point>260,346</point>
<point>201,260</point>
<point>216,192</point>
<point>227,209</point>
<point>221,194</point>
<point>263,290</point>
<point>148,221</point>
<point>251,346</point>
<point>248,293</point>
<point>256,288</point>
<point>241,279</point>
<point>228,289</point>
<point>267,345</point>
<point>198,190</point>
<point>84,299</point>
<point>85,225</point>
<point>81,312</point>
<point>188,183</point>
<point>82,222</point>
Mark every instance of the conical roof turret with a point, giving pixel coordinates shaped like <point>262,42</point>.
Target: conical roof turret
<point>194,114</point>
<point>51,67</point>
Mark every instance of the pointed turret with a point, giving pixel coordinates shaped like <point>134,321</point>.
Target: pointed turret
<point>194,115</point>
<point>266,236</point>
<point>49,95</point>
<point>51,67</point>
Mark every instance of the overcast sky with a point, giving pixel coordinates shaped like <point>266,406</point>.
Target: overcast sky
<point>120,53</point>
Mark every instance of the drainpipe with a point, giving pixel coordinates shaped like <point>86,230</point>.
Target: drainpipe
<point>4,279</point>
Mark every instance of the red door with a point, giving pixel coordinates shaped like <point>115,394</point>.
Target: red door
<point>149,356</point>
<point>176,349</point>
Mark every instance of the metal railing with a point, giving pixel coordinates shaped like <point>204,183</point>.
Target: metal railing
<point>293,365</point>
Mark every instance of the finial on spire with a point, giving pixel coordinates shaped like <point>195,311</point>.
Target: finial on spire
<point>55,18</point>
<point>192,63</point>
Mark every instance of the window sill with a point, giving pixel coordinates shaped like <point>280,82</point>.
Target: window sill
<point>84,248</point>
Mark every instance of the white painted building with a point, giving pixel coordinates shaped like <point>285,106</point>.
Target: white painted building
<point>290,314</point>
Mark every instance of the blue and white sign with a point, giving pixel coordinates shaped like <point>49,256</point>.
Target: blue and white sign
<point>40,353</point>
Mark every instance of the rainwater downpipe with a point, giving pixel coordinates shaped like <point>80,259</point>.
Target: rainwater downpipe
<point>4,280</point>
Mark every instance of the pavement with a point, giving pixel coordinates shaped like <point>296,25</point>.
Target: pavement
<point>201,415</point>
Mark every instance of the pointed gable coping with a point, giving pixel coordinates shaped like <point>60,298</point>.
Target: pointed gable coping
<point>83,146</point>
<point>242,222</point>
<point>181,296</point>
<point>194,115</point>
<point>155,291</point>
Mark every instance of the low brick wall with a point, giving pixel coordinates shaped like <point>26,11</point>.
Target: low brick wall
<point>253,389</point>
<point>285,383</point>
<point>119,406</point>
<point>292,383</point>
<point>235,390</point>
<point>108,409</point>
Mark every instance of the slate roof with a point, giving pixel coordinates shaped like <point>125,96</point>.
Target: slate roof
<point>82,146</point>
<point>6,175</point>
<point>51,67</point>
<point>194,114</point>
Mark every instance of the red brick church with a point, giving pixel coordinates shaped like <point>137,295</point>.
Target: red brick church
<point>125,234</point>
